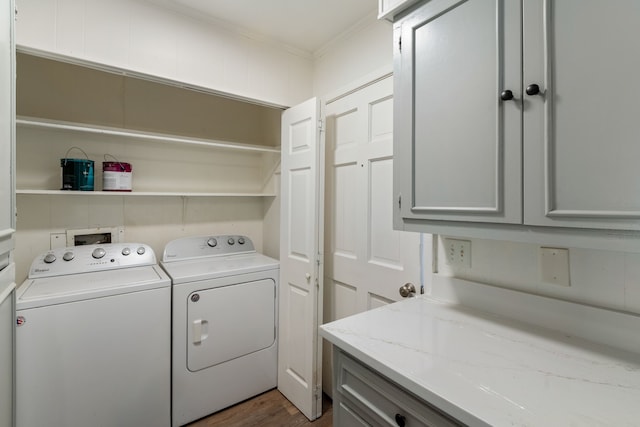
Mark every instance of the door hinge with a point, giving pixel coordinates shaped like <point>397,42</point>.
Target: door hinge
<point>400,43</point>
<point>317,282</point>
<point>320,125</point>
<point>400,201</point>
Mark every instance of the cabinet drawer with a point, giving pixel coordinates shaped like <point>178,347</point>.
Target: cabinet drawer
<point>378,401</point>
<point>345,416</point>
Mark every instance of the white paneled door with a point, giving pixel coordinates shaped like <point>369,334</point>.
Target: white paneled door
<point>7,212</point>
<point>367,261</point>
<point>299,352</point>
<point>7,129</point>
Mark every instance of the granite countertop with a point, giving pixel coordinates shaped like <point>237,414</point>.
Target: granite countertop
<point>484,369</point>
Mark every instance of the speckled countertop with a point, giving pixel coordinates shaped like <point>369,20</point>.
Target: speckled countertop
<point>484,369</point>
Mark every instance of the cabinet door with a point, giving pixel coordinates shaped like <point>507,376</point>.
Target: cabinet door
<point>457,145</point>
<point>582,132</point>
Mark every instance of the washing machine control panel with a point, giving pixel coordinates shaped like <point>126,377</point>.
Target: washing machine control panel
<point>206,246</point>
<point>85,259</point>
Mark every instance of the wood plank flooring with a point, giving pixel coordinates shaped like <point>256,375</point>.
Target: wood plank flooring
<point>270,409</point>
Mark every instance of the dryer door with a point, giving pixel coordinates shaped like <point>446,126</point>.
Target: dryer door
<point>229,322</point>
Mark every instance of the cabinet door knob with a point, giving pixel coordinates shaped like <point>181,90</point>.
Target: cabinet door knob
<point>533,89</point>
<point>400,420</point>
<point>506,95</point>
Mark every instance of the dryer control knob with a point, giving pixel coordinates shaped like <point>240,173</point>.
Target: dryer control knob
<point>140,250</point>
<point>49,258</point>
<point>98,253</point>
<point>231,241</point>
<point>126,251</point>
<point>68,256</point>
<point>212,242</point>
<point>241,240</point>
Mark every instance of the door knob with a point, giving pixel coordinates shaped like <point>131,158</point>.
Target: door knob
<point>407,290</point>
<point>506,95</point>
<point>533,89</point>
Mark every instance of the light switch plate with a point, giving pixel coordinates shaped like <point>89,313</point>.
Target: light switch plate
<point>554,266</point>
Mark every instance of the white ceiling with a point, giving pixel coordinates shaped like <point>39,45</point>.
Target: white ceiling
<point>306,25</point>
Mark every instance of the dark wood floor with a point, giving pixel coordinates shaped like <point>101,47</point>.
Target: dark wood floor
<point>269,409</point>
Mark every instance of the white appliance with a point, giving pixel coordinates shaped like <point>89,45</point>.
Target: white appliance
<point>7,316</point>
<point>225,317</point>
<point>93,339</point>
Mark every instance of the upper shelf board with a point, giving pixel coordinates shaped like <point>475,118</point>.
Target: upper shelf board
<point>61,125</point>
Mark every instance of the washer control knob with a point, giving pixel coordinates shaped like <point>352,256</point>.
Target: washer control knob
<point>126,251</point>
<point>98,253</point>
<point>241,240</point>
<point>212,242</point>
<point>231,241</point>
<point>49,258</point>
<point>140,250</point>
<point>68,256</point>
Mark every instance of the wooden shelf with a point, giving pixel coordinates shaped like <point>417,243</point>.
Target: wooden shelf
<point>150,136</point>
<point>140,193</point>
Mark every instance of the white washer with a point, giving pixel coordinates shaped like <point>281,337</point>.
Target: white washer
<point>225,317</point>
<point>93,339</point>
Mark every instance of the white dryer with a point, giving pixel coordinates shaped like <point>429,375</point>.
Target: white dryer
<point>93,339</point>
<point>225,317</point>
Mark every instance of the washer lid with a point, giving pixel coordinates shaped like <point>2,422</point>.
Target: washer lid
<point>77,287</point>
<point>218,266</point>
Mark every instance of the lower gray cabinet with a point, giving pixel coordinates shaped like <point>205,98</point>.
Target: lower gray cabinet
<point>363,397</point>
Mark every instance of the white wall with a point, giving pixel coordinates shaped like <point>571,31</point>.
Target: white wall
<point>606,279</point>
<point>145,38</point>
<point>366,48</point>
<point>151,220</point>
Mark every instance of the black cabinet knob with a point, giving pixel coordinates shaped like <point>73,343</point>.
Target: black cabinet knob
<point>506,95</point>
<point>533,89</point>
<point>400,420</point>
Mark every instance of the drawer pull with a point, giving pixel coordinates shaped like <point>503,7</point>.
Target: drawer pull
<point>400,420</point>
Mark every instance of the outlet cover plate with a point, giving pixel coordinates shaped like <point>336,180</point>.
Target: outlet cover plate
<point>554,266</point>
<point>458,252</point>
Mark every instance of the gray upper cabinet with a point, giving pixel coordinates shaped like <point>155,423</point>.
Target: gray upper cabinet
<point>582,131</point>
<point>457,145</point>
<point>518,113</point>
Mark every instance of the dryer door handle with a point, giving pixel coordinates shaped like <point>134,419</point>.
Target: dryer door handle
<point>200,331</point>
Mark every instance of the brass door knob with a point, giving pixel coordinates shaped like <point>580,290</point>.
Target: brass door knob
<point>407,290</point>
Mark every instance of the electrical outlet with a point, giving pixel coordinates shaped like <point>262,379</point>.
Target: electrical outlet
<point>458,252</point>
<point>57,240</point>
